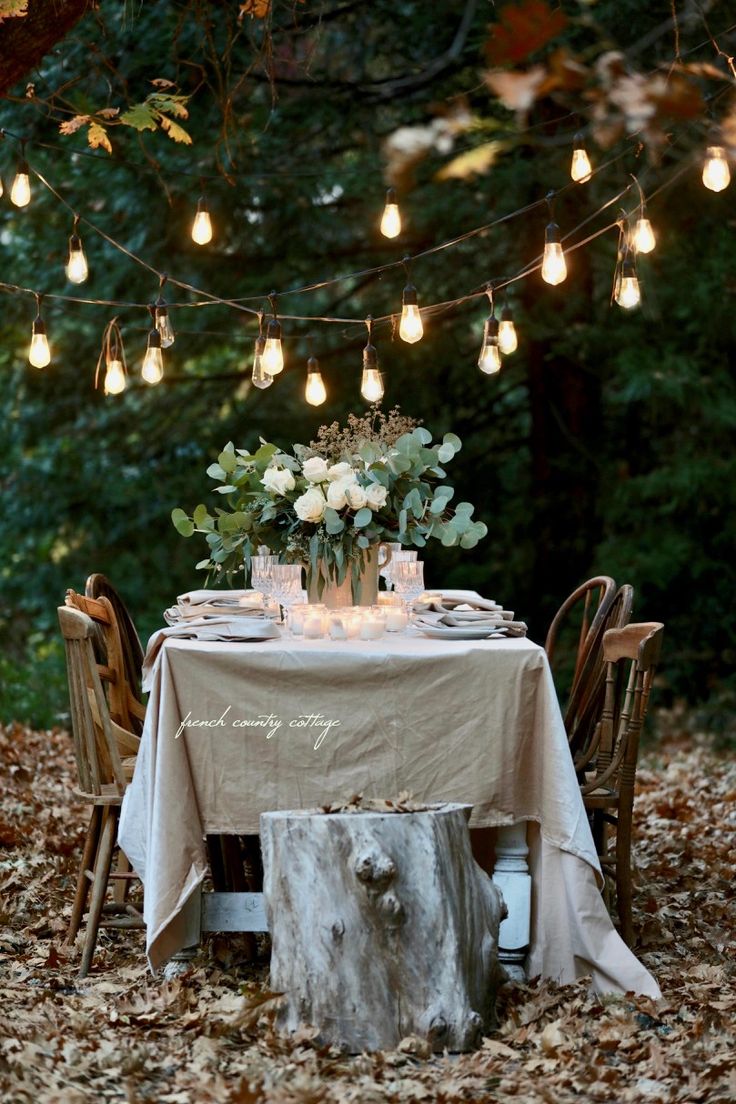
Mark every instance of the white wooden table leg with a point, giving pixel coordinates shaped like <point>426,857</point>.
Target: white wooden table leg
<point>191,915</point>
<point>511,875</point>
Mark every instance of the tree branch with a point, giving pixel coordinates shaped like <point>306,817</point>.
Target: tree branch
<point>25,40</point>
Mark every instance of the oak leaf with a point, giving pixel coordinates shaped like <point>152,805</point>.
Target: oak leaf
<point>521,29</point>
<point>97,137</point>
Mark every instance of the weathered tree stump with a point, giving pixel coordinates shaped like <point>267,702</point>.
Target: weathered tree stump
<point>382,926</point>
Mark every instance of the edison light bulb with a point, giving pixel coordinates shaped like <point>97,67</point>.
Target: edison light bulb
<point>153,362</point>
<point>20,193</point>
<point>489,360</point>
<point>163,325</point>
<point>371,384</point>
<point>508,342</point>
<point>628,293</point>
<point>273,353</point>
<point>259,377</point>
<point>202,225</point>
<point>643,239</point>
<point>114,381</point>
<point>315,392</point>
<point>411,328</point>
<point>580,169</point>
<point>39,354</point>
<point>1,187</point>
<point>76,265</point>
<point>554,268</point>
<point>391,219</point>
<point>716,173</point>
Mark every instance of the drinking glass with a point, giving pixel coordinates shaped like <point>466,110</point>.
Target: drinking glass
<point>286,582</point>
<point>260,573</point>
<point>384,566</point>
<point>408,579</point>
<point>400,555</point>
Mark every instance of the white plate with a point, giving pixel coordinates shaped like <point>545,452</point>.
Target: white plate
<point>458,632</point>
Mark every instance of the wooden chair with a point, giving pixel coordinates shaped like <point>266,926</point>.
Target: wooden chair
<point>102,782</point>
<point>585,705</point>
<point>590,603</point>
<point>99,586</point>
<point>631,656</point>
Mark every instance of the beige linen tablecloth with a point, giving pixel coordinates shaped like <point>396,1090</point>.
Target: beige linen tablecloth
<point>236,729</point>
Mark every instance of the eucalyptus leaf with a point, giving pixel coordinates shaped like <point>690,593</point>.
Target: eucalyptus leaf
<point>362,518</point>
<point>182,523</point>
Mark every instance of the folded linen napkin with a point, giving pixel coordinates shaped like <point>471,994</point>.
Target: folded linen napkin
<point>497,626</point>
<point>205,603</point>
<point>479,609</point>
<point>210,628</point>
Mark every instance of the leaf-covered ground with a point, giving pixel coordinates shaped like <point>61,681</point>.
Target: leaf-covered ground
<point>123,1035</point>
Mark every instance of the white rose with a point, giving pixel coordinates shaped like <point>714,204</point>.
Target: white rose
<point>336,495</point>
<point>311,505</point>
<point>376,496</point>
<point>356,496</point>
<point>278,480</point>
<point>315,469</point>
<point>340,471</point>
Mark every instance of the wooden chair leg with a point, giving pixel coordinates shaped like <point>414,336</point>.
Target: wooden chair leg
<point>103,862</point>
<point>122,885</point>
<point>624,891</point>
<point>86,863</point>
<point>217,866</point>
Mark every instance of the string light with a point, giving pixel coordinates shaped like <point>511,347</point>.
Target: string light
<point>489,359</point>
<point>508,341</point>
<point>391,218</point>
<point>716,173</point>
<point>580,169</point>
<point>163,319</point>
<point>152,370</point>
<point>554,267</point>
<point>39,354</point>
<point>643,239</point>
<point>315,392</point>
<point>20,193</point>
<point>76,266</point>
<point>628,292</point>
<point>371,383</point>
<point>1,188</point>
<point>202,225</point>
<point>273,352</point>
<point>261,379</point>
<point>113,354</point>
<point>410,327</point>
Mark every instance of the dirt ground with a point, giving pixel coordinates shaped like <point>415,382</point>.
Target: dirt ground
<point>122,1035</point>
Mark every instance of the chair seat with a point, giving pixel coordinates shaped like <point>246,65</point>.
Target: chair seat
<point>108,796</point>
<point>602,798</point>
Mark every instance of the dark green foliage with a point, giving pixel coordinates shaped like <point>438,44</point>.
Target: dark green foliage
<point>605,445</point>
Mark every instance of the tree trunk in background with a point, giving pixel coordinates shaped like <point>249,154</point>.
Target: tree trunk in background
<point>566,428</point>
<point>25,40</point>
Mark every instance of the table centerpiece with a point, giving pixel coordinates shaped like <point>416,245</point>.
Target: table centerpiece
<point>331,504</point>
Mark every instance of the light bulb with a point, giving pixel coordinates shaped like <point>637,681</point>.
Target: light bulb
<point>114,381</point>
<point>163,325</point>
<point>643,239</point>
<point>628,293</point>
<point>716,173</point>
<point>580,169</point>
<point>76,265</point>
<point>273,353</point>
<point>554,268</point>
<point>410,328</point>
<point>202,225</point>
<point>39,354</point>
<point>1,187</point>
<point>508,342</point>
<point>391,218</point>
<point>153,362</point>
<point>315,392</point>
<point>489,360</point>
<point>260,378</point>
<point>20,193</point>
<point>371,384</point>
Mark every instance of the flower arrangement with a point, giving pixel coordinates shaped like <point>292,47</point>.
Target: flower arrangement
<point>327,504</point>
